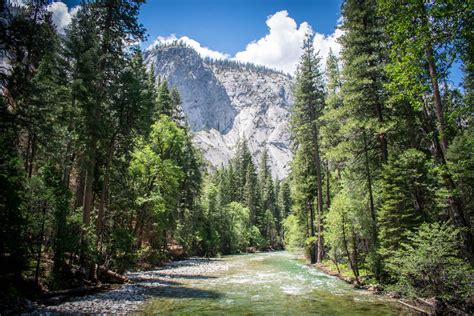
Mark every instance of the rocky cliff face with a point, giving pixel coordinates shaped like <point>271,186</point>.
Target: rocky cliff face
<point>224,101</point>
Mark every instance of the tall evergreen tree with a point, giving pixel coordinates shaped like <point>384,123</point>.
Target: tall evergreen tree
<point>425,38</point>
<point>364,56</point>
<point>305,122</point>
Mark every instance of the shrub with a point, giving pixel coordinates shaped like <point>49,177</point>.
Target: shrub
<point>429,265</point>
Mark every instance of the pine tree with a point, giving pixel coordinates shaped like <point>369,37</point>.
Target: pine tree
<point>406,199</point>
<point>284,199</point>
<point>241,161</point>
<point>97,40</point>
<point>364,105</point>
<point>130,105</point>
<point>305,121</point>
<point>250,197</point>
<point>364,57</point>
<point>177,113</point>
<point>265,191</point>
<point>164,101</point>
<point>13,245</point>
<point>417,29</point>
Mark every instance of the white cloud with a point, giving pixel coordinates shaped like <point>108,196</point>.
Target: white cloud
<point>201,50</point>
<point>324,44</point>
<point>279,49</point>
<point>62,15</point>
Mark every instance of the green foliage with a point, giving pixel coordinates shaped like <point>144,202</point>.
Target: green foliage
<point>13,223</point>
<point>122,250</point>
<point>347,224</point>
<point>461,166</point>
<point>406,198</point>
<point>97,164</point>
<point>240,208</point>
<point>337,224</point>
<point>294,236</point>
<point>415,28</point>
<point>155,175</point>
<point>164,100</point>
<point>428,265</point>
<point>237,234</point>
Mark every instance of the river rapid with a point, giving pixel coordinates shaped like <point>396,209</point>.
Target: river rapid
<point>270,283</point>
<point>276,283</point>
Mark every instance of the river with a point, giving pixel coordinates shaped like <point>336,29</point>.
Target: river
<point>267,283</point>
<point>274,283</point>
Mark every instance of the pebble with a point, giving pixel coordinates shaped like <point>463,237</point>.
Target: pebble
<point>130,297</point>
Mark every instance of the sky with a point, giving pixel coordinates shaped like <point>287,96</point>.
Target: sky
<point>265,32</point>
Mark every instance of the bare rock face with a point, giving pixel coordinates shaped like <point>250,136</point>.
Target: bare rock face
<point>225,101</point>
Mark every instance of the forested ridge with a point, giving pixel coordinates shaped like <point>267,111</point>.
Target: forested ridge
<point>99,175</point>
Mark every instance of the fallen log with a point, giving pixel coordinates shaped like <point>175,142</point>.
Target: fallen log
<point>113,275</point>
<point>424,312</point>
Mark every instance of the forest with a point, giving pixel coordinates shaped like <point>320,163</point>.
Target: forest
<point>99,175</point>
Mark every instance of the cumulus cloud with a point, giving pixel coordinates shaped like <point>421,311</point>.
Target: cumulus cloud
<point>201,50</point>
<point>281,47</point>
<point>62,15</point>
<point>324,44</point>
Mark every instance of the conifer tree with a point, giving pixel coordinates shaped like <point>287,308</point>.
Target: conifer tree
<point>250,197</point>
<point>364,104</point>
<point>406,199</point>
<point>164,101</point>
<point>305,121</point>
<point>178,113</point>
<point>364,57</point>
<point>425,38</point>
<point>98,38</point>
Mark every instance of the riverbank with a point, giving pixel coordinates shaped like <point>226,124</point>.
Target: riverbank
<point>143,285</point>
<point>430,306</point>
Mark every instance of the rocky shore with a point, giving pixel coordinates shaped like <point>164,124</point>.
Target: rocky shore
<point>144,285</point>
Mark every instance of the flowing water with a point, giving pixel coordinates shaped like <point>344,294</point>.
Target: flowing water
<point>266,283</point>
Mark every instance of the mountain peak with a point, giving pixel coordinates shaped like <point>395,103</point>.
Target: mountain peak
<point>225,101</point>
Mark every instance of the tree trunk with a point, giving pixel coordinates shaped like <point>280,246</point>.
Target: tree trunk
<point>32,157</point>
<point>372,208</point>
<point>437,100</point>
<point>320,200</point>
<point>40,244</point>
<point>89,180</point>
<point>313,248</point>
<point>355,260</point>
<point>346,248</point>
<point>80,182</point>
<point>369,187</point>
<point>105,190</point>
<point>328,188</point>
<point>457,212</point>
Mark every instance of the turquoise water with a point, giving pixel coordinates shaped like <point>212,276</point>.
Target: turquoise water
<point>276,283</point>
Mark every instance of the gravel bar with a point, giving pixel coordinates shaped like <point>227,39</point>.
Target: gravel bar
<point>131,297</point>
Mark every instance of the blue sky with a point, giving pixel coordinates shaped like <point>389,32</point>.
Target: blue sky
<point>267,32</point>
<point>229,25</point>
